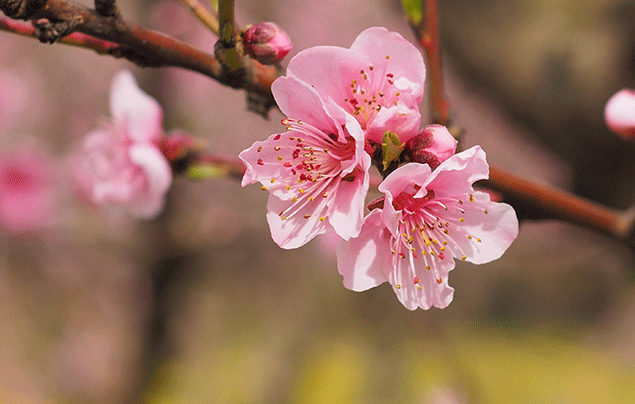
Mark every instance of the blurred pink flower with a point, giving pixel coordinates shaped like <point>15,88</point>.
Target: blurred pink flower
<point>27,191</point>
<point>122,166</point>
<point>428,218</point>
<point>15,96</point>
<point>379,80</point>
<point>619,113</point>
<point>316,172</point>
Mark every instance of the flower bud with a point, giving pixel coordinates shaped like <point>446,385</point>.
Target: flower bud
<point>620,113</point>
<point>433,145</point>
<point>266,42</point>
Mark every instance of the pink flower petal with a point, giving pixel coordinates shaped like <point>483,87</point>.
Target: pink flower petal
<point>158,175</point>
<point>134,110</point>
<point>405,60</point>
<point>493,225</point>
<point>443,143</point>
<point>416,286</point>
<point>318,66</point>
<point>367,79</point>
<point>297,229</point>
<point>308,170</point>
<point>362,261</point>
<point>398,119</point>
<point>347,213</point>
<point>619,113</point>
<point>458,173</point>
<point>428,219</point>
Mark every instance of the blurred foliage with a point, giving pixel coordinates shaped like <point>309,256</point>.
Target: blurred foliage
<point>412,8</point>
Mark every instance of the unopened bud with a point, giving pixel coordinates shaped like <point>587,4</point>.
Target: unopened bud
<point>620,113</point>
<point>433,145</point>
<point>266,42</point>
<point>179,148</point>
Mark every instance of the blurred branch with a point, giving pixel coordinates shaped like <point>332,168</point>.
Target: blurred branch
<point>544,201</point>
<point>56,19</point>
<point>427,32</point>
<point>206,16</point>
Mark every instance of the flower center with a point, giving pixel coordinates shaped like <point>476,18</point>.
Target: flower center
<point>370,92</point>
<point>312,160</point>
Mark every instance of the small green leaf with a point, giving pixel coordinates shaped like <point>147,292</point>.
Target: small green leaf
<point>391,148</point>
<point>205,172</point>
<point>412,8</point>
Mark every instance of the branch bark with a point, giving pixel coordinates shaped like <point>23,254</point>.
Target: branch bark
<point>55,19</point>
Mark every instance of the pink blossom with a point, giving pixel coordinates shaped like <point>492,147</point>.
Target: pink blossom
<point>266,42</point>
<point>433,145</point>
<point>122,166</point>
<point>27,191</point>
<point>428,219</point>
<point>619,113</point>
<point>316,172</point>
<point>379,80</point>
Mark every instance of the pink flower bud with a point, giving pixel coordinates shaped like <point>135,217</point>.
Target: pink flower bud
<point>177,145</point>
<point>620,113</point>
<point>266,42</point>
<point>433,145</point>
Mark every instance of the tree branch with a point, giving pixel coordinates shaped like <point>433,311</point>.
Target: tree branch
<point>55,19</point>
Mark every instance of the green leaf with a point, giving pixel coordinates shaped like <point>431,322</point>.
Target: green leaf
<point>205,172</point>
<point>391,148</point>
<point>412,8</point>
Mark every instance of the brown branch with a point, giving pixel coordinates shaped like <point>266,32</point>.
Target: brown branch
<point>548,202</point>
<point>56,19</point>
<point>427,33</point>
<point>75,39</point>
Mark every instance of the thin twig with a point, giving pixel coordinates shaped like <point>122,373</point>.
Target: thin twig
<point>226,45</point>
<point>204,15</point>
<point>428,36</point>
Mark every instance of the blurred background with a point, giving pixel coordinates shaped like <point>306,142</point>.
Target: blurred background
<point>200,306</point>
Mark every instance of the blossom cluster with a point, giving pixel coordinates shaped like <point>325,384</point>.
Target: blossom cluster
<point>347,109</point>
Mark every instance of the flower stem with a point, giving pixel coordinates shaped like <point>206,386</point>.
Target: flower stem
<point>207,17</point>
<point>228,35</point>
